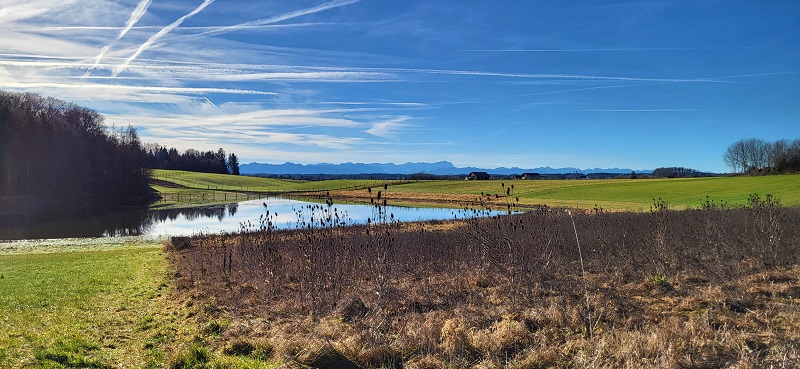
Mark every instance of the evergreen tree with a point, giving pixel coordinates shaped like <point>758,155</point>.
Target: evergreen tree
<point>233,164</point>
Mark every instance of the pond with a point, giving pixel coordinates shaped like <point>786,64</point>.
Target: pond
<point>277,213</point>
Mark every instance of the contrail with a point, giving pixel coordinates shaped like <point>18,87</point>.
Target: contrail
<point>282,17</point>
<point>637,110</point>
<point>163,32</point>
<point>592,50</point>
<point>97,60</point>
<point>135,16</point>
<point>212,103</point>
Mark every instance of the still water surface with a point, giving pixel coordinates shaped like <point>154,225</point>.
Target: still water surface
<point>253,214</point>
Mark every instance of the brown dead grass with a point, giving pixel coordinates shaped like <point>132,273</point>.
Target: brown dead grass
<point>442,308</point>
<point>423,199</point>
<point>636,325</point>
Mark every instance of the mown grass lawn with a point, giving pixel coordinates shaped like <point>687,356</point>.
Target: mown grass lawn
<point>110,308</point>
<point>87,309</point>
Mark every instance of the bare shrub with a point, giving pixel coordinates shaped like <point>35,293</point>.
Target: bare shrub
<point>664,288</point>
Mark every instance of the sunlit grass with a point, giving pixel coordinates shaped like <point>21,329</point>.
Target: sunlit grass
<point>111,307</point>
<point>623,194</point>
<point>609,194</point>
<point>86,309</point>
<point>211,181</point>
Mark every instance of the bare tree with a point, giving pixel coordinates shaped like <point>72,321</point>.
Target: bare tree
<point>735,157</point>
<point>756,155</point>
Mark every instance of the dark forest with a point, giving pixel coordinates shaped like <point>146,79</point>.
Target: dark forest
<point>60,157</point>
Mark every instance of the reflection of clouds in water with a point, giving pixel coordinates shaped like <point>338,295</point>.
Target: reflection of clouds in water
<point>287,214</point>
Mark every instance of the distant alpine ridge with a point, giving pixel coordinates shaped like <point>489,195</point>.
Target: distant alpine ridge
<point>437,168</point>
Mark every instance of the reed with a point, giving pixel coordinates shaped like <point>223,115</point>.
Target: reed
<point>512,291</point>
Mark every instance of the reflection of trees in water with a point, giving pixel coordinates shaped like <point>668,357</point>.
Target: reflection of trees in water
<point>219,212</point>
<point>132,222</point>
<point>127,223</point>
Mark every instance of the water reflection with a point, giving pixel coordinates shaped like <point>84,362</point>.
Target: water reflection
<point>283,213</point>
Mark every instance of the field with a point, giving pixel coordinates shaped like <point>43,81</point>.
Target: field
<point>181,188</point>
<point>89,303</point>
<point>85,309</point>
<point>712,286</point>
<point>610,194</point>
<point>706,288</point>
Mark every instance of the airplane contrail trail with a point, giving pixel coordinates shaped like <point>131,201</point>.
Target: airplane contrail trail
<point>163,32</point>
<point>282,17</point>
<point>137,14</point>
<point>212,103</point>
<point>97,60</point>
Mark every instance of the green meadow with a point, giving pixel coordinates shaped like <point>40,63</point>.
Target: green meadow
<point>624,194</point>
<point>225,182</point>
<point>108,307</point>
<point>98,309</point>
<point>609,194</point>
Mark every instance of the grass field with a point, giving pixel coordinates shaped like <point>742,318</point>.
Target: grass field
<point>182,188</point>
<point>224,182</point>
<point>108,307</point>
<point>610,194</point>
<point>85,309</point>
<point>622,194</point>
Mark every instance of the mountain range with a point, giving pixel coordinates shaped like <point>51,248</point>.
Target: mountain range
<point>437,168</point>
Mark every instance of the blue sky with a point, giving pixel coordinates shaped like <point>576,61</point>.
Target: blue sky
<point>636,84</point>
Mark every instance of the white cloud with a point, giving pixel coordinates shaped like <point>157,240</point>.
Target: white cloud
<point>389,128</point>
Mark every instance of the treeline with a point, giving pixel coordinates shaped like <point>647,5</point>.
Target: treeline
<point>678,172</point>
<point>159,157</point>
<point>57,156</point>
<point>756,156</point>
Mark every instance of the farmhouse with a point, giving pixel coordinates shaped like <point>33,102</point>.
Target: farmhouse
<point>530,176</point>
<point>478,176</point>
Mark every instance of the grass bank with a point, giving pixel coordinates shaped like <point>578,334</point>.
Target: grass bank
<point>187,189</point>
<point>102,303</point>
<point>102,309</point>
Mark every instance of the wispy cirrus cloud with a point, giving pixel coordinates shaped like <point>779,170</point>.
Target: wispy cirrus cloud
<point>669,110</point>
<point>343,79</point>
<point>289,127</point>
<point>184,28</point>
<point>584,50</point>
<point>389,128</point>
<point>251,119</point>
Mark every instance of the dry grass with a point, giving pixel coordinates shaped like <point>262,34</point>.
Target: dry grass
<point>692,289</point>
